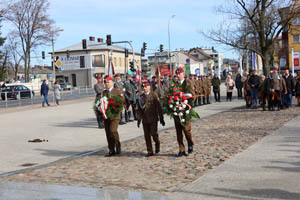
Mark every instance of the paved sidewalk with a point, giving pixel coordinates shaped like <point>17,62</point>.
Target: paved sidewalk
<point>70,130</point>
<point>33,191</point>
<point>270,169</point>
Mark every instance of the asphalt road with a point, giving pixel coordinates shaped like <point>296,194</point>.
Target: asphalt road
<point>37,99</point>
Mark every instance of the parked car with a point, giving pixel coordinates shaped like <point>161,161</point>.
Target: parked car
<point>65,86</point>
<point>16,92</point>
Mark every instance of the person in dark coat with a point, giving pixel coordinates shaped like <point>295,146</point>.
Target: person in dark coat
<point>239,86</point>
<point>288,97</point>
<point>297,91</point>
<point>44,92</point>
<point>215,82</point>
<point>254,81</point>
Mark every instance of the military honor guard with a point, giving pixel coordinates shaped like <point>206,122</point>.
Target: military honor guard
<point>180,129</point>
<point>149,113</point>
<point>99,87</point>
<point>112,122</point>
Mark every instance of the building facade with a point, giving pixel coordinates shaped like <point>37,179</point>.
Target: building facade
<point>78,66</point>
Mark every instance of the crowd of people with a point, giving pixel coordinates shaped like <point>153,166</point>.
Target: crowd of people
<point>276,90</point>
<point>143,104</point>
<point>143,100</point>
<point>202,86</point>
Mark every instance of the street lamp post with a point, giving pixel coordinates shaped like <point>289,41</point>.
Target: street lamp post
<point>169,40</point>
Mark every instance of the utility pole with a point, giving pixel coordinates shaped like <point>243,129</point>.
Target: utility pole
<point>53,63</point>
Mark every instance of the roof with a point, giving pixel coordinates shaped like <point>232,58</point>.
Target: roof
<point>201,52</point>
<point>92,45</point>
<point>192,57</point>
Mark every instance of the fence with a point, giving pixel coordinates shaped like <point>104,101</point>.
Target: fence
<point>28,97</point>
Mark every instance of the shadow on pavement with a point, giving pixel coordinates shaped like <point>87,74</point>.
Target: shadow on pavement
<point>87,123</point>
<point>286,169</point>
<point>56,153</point>
<point>264,193</point>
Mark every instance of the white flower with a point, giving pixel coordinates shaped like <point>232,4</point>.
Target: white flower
<point>177,102</point>
<point>187,112</point>
<point>171,106</point>
<point>180,108</point>
<point>183,120</point>
<point>185,101</point>
<point>180,114</point>
<point>184,106</point>
<point>175,113</point>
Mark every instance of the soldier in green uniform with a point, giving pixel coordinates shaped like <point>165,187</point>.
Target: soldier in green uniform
<point>149,112</point>
<point>99,87</point>
<point>111,124</point>
<point>208,89</point>
<point>187,130</point>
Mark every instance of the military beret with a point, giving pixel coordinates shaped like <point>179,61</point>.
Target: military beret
<point>145,83</point>
<point>108,78</point>
<point>166,74</point>
<point>118,75</point>
<point>179,70</point>
<point>153,77</point>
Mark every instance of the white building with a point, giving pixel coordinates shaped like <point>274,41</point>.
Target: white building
<point>80,67</point>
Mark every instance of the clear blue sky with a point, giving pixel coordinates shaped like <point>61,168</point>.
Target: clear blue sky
<point>136,20</point>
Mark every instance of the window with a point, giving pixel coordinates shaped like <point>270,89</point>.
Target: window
<point>82,63</point>
<point>296,21</point>
<point>120,62</point>
<point>115,61</point>
<point>296,38</point>
<point>98,61</point>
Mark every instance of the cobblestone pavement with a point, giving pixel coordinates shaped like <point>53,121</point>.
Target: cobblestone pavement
<point>216,138</point>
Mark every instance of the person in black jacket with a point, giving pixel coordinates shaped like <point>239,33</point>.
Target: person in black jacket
<point>239,86</point>
<point>288,98</point>
<point>44,92</point>
<point>297,91</point>
<point>254,85</point>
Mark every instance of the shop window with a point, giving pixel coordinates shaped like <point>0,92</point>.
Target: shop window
<point>98,61</point>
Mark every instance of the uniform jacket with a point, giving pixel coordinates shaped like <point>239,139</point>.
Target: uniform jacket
<point>98,89</point>
<point>149,108</point>
<point>114,91</point>
<point>189,87</point>
<point>130,91</point>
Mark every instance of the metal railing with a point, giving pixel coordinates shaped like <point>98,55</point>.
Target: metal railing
<point>16,98</point>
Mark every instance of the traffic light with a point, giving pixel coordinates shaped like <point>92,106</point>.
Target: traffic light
<point>161,48</point>
<point>84,44</point>
<point>126,53</point>
<point>144,46</point>
<point>131,66</point>
<point>142,52</point>
<point>43,54</point>
<point>68,54</point>
<point>108,40</point>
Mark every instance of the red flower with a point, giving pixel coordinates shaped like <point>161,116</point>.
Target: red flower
<point>180,88</point>
<point>108,107</point>
<point>174,93</point>
<point>118,104</point>
<point>174,89</point>
<point>114,108</point>
<point>169,102</point>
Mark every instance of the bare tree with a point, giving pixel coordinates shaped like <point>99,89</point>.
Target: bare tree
<point>32,25</point>
<point>254,25</point>
<point>14,52</point>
